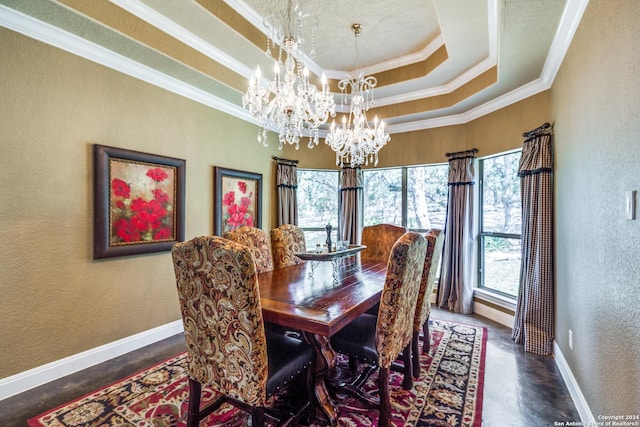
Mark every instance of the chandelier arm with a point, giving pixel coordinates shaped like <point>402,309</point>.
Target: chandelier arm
<point>289,103</point>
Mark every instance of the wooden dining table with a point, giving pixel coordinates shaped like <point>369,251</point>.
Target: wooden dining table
<point>319,306</point>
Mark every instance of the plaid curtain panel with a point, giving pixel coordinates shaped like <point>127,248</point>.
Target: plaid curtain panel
<point>456,285</point>
<point>534,322</point>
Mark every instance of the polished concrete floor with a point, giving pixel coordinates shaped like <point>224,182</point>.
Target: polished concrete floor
<point>520,389</point>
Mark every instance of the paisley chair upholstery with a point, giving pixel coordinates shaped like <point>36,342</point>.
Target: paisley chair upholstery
<point>227,346</point>
<point>258,241</point>
<point>379,340</point>
<point>379,239</point>
<point>435,241</point>
<point>286,240</point>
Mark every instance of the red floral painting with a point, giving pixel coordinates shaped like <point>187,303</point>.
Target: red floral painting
<point>141,201</point>
<point>238,204</point>
<point>237,199</point>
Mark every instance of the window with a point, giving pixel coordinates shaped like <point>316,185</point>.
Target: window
<point>500,223</point>
<point>383,196</point>
<point>427,194</point>
<point>318,193</point>
<point>413,197</point>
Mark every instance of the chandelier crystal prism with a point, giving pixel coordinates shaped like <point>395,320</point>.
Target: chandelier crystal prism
<point>289,104</point>
<point>356,141</point>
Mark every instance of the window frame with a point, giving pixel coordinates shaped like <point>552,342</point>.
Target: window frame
<point>316,229</point>
<point>481,285</point>
<point>404,214</point>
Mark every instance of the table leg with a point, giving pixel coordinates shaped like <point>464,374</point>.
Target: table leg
<point>314,264</point>
<point>325,366</point>
<point>336,266</point>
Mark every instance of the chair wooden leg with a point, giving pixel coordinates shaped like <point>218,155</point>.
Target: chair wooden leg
<point>407,382</point>
<point>353,363</point>
<point>257,416</point>
<point>426,346</point>
<point>193,414</point>
<point>415,354</point>
<point>384,419</point>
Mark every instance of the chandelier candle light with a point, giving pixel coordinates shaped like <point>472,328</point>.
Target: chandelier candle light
<point>289,104</point>
<point>356,142</point>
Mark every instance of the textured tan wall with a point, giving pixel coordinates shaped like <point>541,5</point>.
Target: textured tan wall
<point>55,300</point>
<point>597,154</point>
<point>494,133</point>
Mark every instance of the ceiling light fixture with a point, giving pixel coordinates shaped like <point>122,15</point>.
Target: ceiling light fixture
<point>356,142</point>
<point>289,104</point>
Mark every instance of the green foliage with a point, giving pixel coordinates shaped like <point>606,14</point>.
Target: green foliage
<point>318,192</point>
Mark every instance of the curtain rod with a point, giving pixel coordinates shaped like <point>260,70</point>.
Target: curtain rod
<point>285,161</point>
<point>472,151</point>
<point>540,129</point>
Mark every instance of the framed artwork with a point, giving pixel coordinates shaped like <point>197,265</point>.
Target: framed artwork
<point>238,200</point>
<point>139,202</point>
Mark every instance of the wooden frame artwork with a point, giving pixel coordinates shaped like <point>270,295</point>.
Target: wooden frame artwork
<point>238,200</point>
<point>139,202</point>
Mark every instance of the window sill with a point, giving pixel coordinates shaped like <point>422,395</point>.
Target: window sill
<point>496,299</point>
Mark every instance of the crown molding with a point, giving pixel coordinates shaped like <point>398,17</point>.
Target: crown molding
<point>456,83</point>
<point>496,104</point>
<point>257,21</point>
<point>393,63</point>
<point>567,27</point>
<point>69,42</point>
<point>156,19</point>
<point>54,36</point>
<point>564,35</point>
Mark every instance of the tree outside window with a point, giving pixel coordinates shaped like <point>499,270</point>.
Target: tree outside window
<point>318,193</point>
<point>500,223</point>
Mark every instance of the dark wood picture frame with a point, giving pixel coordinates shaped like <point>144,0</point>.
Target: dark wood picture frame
<point>237,199</point>
<point>139,202</point>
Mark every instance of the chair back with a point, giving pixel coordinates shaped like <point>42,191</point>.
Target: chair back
<point>379,239</point>
<point>222,316</point>
<point>258,241</point>
<point>286,240</point>
<point>435,241</point>
<point>394,327</point>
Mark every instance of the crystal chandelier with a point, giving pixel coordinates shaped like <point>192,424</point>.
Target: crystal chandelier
<point>356,141</point>
<point>289,104</point>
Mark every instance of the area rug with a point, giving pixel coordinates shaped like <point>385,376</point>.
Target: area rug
<point>447,393</point>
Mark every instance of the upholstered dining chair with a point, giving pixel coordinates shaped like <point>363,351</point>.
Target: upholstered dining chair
<point>379,239</point>
<point>435,240</point>
<point>286,240</point>
<point>228,348</point>
<point>258,241</point>
<point>379,340</point>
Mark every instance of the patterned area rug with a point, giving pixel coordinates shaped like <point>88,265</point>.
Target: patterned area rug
<point>448,392</point>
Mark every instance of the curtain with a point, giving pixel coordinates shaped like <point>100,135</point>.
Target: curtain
<point>286,185</point>
<point>533,325</point>
<point>456,286</point>
<point>351,204</point>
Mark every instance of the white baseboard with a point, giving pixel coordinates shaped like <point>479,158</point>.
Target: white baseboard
<point>35,377</point>
<point>574,389</point>
<point>493,314</point>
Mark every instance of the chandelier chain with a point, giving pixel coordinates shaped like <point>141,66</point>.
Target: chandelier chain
<point>357,142</point>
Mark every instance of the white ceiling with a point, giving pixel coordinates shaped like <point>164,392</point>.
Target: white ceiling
<point>497,51</point>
